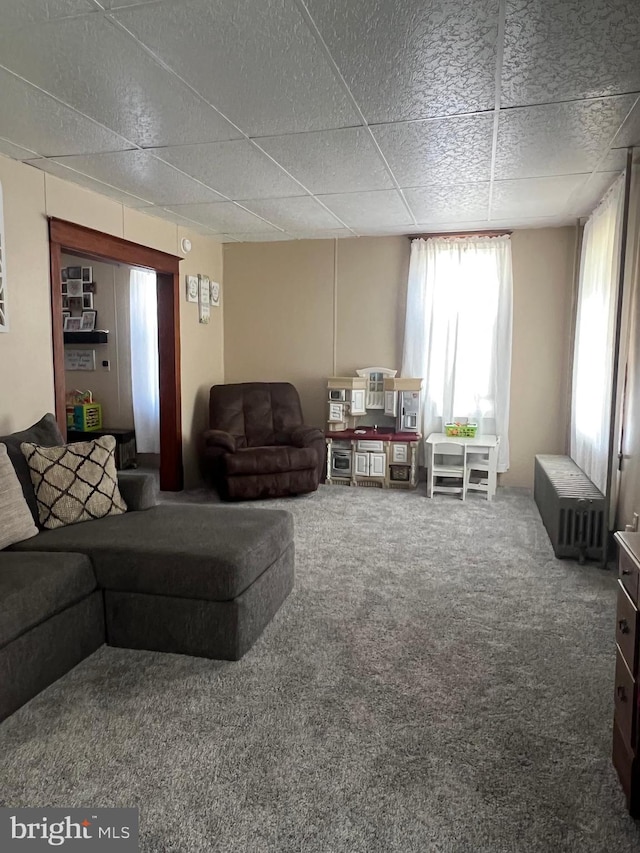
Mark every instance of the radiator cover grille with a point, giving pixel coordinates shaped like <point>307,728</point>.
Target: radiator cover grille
<point>571,507</point>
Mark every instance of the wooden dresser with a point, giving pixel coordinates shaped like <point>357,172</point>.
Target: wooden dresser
<point>626,721</point>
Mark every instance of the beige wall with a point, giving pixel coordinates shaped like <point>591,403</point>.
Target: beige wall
<point>299,311</point>
<point>26,371</point>
<point>543,270</point>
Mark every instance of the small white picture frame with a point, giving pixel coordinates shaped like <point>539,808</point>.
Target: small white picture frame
<point>192,288</point>
<point>88,321</point>
<point>73,324</point>
<point>87,301</point>
<point>87,275</point>
<point>214,292</point>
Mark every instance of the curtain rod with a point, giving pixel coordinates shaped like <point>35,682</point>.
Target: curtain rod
<point>459,234</point>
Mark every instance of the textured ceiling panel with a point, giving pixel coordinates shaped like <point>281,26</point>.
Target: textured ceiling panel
<point>411,59</point>
<point>257,62</point>
<point>557,139</point>
<point>293,214</point>
<point>31,119</point>
<point>442,150</point>
<point>60,171</point>
<point>587,196</point>
<point>236,169</point>
<point>533,197</point>
<point>363,211</point>
<point>92,65</point>
<point>561,49</point>
<point>20,13</point>
<point>16,151</point>
<point>331,161</point>
<point>450,202</point>
<point>143,175</point>
<point>222,218</point>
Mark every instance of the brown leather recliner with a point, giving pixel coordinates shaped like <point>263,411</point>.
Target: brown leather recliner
<point>257,446</point>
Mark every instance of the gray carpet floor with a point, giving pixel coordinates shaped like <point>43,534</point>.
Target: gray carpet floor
<point>437,681</point>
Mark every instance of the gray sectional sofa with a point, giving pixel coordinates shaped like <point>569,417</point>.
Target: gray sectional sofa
<point>198,580</point>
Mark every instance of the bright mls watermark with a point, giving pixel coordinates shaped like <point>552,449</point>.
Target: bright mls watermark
<point>69,829</point>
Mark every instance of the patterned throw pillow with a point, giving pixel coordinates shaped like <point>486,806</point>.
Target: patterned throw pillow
<point>76,482</point>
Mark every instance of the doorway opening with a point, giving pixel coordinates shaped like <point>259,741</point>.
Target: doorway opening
<point>122,265</point>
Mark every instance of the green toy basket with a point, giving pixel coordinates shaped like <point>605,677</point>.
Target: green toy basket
<point>461,430</point>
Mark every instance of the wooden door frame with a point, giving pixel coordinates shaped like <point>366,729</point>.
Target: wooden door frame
<point>69,237</point>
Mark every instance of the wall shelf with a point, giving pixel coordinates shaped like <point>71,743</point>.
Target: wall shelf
<point>96,337</point>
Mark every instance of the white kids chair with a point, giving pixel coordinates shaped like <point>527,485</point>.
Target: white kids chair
<point>448,462</point>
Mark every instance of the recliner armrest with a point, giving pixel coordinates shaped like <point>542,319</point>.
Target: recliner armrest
<point>304,436</point>
<point>219,438</point>
<point>139,490</point>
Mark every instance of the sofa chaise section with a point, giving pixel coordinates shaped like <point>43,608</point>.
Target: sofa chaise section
<point>196,580</point>
<point>51,618</point>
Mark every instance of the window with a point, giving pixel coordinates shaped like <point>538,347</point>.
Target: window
<point>458,332</point>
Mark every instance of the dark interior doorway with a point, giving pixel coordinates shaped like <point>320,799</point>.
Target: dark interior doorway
<point>69,237</point>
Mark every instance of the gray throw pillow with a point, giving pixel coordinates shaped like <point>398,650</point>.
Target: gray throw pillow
<point>46,433</point>
<point>16,522</point>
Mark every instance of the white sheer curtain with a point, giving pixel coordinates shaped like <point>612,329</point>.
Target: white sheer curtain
<point>458,332</point>
<point>594,336</point>
<point>143,307</point>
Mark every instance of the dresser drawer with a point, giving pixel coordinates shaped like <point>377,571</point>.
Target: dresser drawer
<point>625,701</point>
<point>627,629</point>
<point>628,574</point>
<point>369,446</point>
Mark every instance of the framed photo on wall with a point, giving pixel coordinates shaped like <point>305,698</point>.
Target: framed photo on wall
<point>87,301</point>
<point>192,288</point>
<point>214,288</point>
<point>204,296</point>
<point>87,275</point>
<point>74,286</point>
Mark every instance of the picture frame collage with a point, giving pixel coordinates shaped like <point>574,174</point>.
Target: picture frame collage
<point>207,293</point>
<point>78,288</point>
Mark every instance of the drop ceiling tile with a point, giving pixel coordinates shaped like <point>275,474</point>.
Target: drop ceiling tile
<point>92,65</point>
<point>587,197</point>
<point>561,49</point>
<point>31,119</point>
<point>451,149</point>
<point>533,197</point>
<point>60,171</point>
<point>257,62</point>
<point>302,213</point>
<point>141,174</point>
<point>22,13</point>
<point>331,161</point>
<point>223,218</point>
<point>413,59</point>
<point>557,139</point>
<point>16,151</point>
<point>369,210</point>
<point>236,169</point>
<point>450,202</point>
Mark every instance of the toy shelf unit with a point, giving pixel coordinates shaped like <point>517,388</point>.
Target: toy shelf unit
<point>372,429</point>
